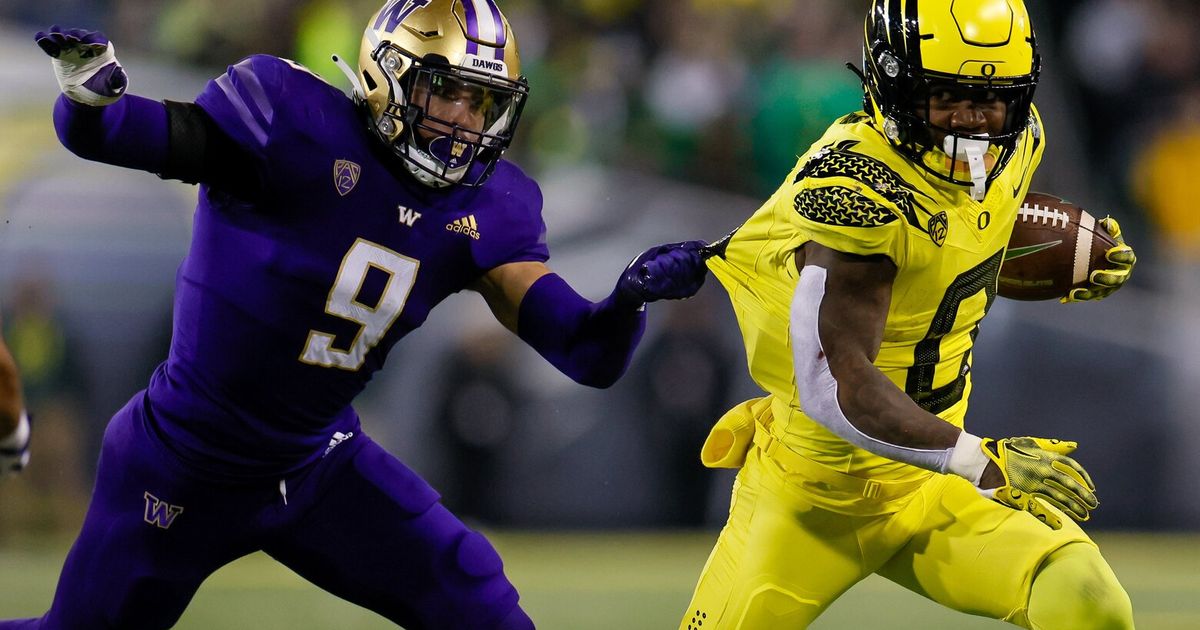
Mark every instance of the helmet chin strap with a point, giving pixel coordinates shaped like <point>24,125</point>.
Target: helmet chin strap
<point>971,151</point>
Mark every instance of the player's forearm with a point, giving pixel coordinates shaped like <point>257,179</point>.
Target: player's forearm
<point>14,425</point>
<point>9,420</point>
<point>834,341</point>
<point>876,407</point>
<point>11,403</point>
<point>863,407</point>
<point>590,342</point>
<point>132,132</point>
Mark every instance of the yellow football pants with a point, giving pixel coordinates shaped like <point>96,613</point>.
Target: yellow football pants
<point>780,560</point>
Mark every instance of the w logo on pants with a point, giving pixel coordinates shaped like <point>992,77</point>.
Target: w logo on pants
<point>159,512</point>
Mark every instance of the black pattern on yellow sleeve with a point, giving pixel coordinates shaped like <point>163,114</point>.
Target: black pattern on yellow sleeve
<point>841,206</point>
<point>841,161</point>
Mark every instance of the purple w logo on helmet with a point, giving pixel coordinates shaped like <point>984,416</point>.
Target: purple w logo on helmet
<point>395,11</point>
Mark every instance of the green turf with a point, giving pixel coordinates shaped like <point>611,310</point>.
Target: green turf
<point>614,580</point>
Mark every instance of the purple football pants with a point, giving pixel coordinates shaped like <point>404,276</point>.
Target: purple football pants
<point>357,523</point>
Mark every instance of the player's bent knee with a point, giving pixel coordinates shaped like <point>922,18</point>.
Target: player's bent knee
<point>482,597</point>
<point>1076,588</point>
<point>1116,611</point>
<point>517,619</point>
<point>774,607</point>
<point>476,557</point>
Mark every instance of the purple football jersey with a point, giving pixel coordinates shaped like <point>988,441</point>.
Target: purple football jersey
<point>287,304</point>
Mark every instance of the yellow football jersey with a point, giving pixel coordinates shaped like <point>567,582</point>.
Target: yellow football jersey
<point>853,192</point>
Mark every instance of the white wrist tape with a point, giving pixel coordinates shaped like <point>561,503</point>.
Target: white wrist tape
<point>19,438</point>
<point>967,459</point>
<point>72,77</point>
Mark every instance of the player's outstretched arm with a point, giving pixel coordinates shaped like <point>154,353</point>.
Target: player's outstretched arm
<point>98,120</point>
<point>837,321</point>
<point>14,426</point>
<point>591,342</point>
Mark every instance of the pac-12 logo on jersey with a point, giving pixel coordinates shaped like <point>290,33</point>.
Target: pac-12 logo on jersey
<point>939,226</point>
<point>160,513</point>
<point>345,176</point>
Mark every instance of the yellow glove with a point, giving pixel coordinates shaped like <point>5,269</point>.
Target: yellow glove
<point>1036,470</point>
<point>1105,281</point>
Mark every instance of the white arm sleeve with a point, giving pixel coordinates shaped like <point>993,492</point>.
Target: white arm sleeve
<point>818,389</point>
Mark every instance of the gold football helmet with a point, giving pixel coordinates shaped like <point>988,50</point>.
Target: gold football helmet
<point>911,46</point>
<point>415,51</point>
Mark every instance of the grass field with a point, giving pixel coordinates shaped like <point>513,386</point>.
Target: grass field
<point>624,581</point>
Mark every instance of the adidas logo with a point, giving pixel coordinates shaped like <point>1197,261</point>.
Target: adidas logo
<point>337,439</point>
<point>465,225</point>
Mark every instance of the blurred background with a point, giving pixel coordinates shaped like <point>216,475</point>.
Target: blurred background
<point>649,121</point>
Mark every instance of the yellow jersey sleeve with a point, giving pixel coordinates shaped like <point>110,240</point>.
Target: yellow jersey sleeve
<point>845,215</point>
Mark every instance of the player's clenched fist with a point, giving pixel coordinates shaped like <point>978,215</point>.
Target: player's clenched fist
<point>1104,282</point>
<point>85,64</point>
<point>665,272</point>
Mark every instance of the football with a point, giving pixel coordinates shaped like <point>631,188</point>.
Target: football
<point>1054,247</point>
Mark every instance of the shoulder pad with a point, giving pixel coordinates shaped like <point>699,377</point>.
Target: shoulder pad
<point>857,207</point>
<point>243,100</point>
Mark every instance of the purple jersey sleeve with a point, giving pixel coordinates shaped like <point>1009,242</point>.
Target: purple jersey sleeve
<point>131,132</point>
<point>516,231</point>
<point>244,100</point>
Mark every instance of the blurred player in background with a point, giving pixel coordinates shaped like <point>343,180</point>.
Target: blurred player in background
<point>327,229</point>
<point>859,287</point>
<point>14,425</point>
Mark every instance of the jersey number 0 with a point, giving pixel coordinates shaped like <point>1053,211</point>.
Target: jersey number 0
<point>343,302</point>
<point>919,385</point>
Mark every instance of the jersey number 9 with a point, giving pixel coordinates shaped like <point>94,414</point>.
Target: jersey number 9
<point>343,302</point>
